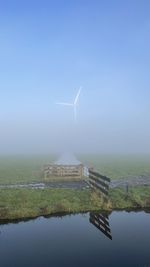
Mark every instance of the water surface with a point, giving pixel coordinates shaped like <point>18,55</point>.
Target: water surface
<point>78,240</point>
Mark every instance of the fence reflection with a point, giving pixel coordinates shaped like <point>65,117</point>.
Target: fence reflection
<point>101,222</point>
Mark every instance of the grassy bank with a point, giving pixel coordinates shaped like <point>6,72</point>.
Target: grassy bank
<point>25,203</point>
<point>22,203</point>
<point>137,197</point>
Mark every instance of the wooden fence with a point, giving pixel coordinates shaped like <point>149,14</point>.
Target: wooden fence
<point>96,180</point>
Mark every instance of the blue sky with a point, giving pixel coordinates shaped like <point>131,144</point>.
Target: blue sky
<point>48,49</point>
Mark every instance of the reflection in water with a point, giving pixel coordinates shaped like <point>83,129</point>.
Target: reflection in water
<point>74,240</point>
<point>101,222</point>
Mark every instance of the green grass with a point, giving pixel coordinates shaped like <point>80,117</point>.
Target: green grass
<point>120,166</point>
<point>23,203</point>
<point>137,197</point>
<point>24,169</point>
<point>28,203</point>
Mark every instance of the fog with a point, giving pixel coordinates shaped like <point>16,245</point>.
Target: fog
<point>102,126</point>
<point>47,51</point>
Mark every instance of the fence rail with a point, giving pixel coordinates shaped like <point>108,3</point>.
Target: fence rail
<point>105,178</point>
<point>101,182</point>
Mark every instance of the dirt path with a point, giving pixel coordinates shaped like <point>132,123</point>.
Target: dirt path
<point>123,182</point>
<point>63,185</point>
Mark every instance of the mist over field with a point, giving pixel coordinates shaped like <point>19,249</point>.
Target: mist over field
<point>47,128</point>
<point>46,54</point>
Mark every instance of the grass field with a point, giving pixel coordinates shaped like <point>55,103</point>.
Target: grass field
<point>28,203</point>
<point>120,166</point>
<point>15,169</point>
<point>23,203</point>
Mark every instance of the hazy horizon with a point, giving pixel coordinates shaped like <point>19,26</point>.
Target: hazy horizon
<point>48,50</point>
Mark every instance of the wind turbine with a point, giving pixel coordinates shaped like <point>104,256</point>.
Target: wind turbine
<point>74,104</point>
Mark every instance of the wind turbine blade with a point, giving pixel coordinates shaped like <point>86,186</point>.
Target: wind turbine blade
<point>77,97</point>
<point>64,104</point>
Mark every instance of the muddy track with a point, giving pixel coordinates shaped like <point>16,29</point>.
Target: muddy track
<point>52,185</point>
<point>81,185</point>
